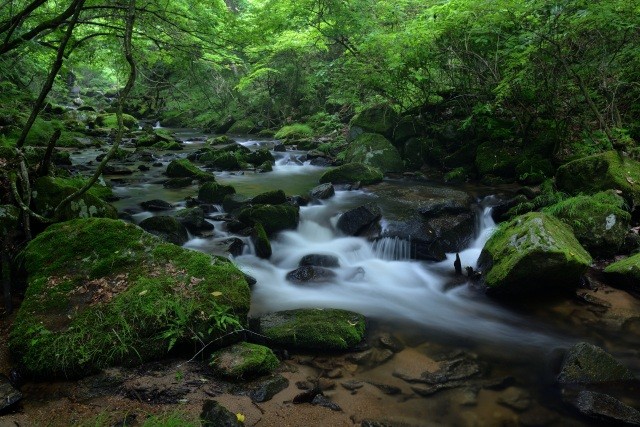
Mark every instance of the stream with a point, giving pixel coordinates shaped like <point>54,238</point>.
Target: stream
<point>421,302</point>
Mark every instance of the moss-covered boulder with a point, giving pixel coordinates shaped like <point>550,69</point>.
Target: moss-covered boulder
<point>261,243</point>
<point>601,172</point>
<point>586,363</point>
<point>103,292</point>
<point>226,161</point>
<point>156,137</point>
<point>244,361</point>
<point>259,157</point>
<point>220,140</point>
<point>274,197</point>
<point>374,150</point>
<point>533,253</point>
<point>167,228</point>
<point>378,119</point>
<point>48,192</point>
<point>235,202</point>
<point>352,173</point>
<point>599,222</point>
<point>312,329</point>
<point>243,127</point>
<point>110,121</point>
<point>625,272</point>
<point>212,192</point>
<point>183,168</point>
<point>294,132</point>
<point>9,219</point>
<point>194,220</point>
<point>274,218</point>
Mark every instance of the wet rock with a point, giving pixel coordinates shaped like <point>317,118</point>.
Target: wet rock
<point>386,388</point>
<point>183,168</point>
<point>274,218</point>
<point>427,390</point>
<point>352,173</point>
<point>156,205</point>
<point>194,220</point>
<point>586,363</point>
<point>269,388</point>
<point>9,396</point>
<point>390,342</point>
<point>325,384</point>
<point>319,260</point>
<point>352,385</point>
<point>243,361</point>
<point>232,245</point>
<point>261,242</point>
<point>116,170</point>
<point>357,221</point>
<point>625,273</point>
<point>589,298</point>
<point>533,253</point>
<point>515,398</point>
<point>322,400</point>
<point>213,192</point>
<point>215,415</point>
<point>234,202</point>
<point>454,370</point>
<point>312,329</point>
<point>167,228</point>
<point>260,156</point>
<point>334,373</point>
<point>361,358</point>
<point>605,408</point>
<point>275,197</point>
<point>323,191</point>
<point>279,147</point>
<point>309,274</point>
<point>380,356</point>
<point>374,150</point>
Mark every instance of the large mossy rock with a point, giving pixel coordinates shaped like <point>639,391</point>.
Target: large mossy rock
<point>183,168</point>
<point>243,127</point>
<point>274,218</point>
<point>378,119</point>
<point>244,361</point>
<point>212,192</point>
<point>586,363</point>
<point>103,292</point>
<point>374,150</point>
<point>48,192</point>
<point>352,173</point>
<point>599,222</point>
<point>533,253</point>
<point>312,329</point>
<point>625,272</point>
<point>601,172</point>
<point>110,121</point>
<point>167,228</point>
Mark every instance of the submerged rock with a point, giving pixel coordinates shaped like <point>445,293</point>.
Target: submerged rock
<point>533,253</point>
<point>9,396</point>
<point>605,408</point>
<point>103,292</point>
<point>167,228</point>
<point>586,363</point>
<point>244,361</point>
<point>265,390</point>
<point>312,329</point>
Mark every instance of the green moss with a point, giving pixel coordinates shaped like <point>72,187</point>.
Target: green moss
<point>274,218</point>
<point>274,197</point>
<point>244,361</point>
<point>212,192</point>
<point>534,252</point>
<point>379,119</point>
<point>225,160</point>
<point>601,172</point>
<point>168,146</point>
<point>314,329</point>
<point>352,173</point>
<point>599,222</point>
<point>294,132</point>
<point>261,242</point>
<point>534,170</point>
<point>260,156</point>
<point>374,150</point>
<point>220,140</point>
<point>626,272</point>
<point>183,168</point>
<point>456,175</point>
<point>48,192</point>
<point>110,121</point>
<point>243,127</point>
<point>102,292</point>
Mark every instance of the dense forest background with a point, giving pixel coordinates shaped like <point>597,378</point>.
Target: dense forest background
<point>548,81</point>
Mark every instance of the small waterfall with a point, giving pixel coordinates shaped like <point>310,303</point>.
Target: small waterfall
<point>157,125</point>
<point>392,249</point>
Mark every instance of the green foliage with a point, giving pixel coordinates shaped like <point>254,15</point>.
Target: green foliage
<point>294,132</point>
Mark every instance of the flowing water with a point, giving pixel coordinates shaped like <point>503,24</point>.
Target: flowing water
<point>410,298</point>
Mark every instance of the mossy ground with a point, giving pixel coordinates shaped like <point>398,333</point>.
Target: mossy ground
<point>314,329</point>
<point>102,292</point>
<point>352,173</point>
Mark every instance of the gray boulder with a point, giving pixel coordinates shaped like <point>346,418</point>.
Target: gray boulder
<point>358,221</point>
